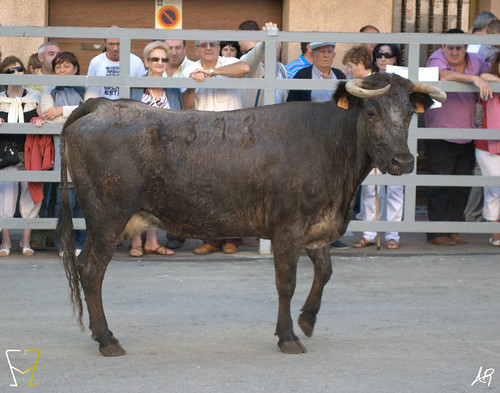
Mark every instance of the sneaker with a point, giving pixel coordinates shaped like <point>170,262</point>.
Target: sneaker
<point>77,252</point>
<point>337,244</point>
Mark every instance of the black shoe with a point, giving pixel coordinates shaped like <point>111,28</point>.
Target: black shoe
<point>337,244</point>
<point>174,242</point>
<point>38,245</point>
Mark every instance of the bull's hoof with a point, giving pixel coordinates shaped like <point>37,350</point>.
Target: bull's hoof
<point>292,347</point>
<point>114,349</point>
<point>306,326</point>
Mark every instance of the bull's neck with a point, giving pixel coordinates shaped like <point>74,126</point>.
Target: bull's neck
<point>353,144</point>
<point>348,142</point>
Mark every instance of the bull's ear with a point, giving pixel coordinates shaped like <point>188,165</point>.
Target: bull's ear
<point>341,96</point>
<point>420,102</point>
<point>418,107</point>
<point>343,102</point>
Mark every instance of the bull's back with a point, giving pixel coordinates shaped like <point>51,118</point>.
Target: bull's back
<point>234,170</point>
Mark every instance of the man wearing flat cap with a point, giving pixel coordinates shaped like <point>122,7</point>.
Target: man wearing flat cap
<point>323,55</point>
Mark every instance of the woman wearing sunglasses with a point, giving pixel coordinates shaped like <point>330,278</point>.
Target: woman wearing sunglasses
<point>390,201</point>
<point>155,58</point>
<point>384,55</point>
<point>20,105</point>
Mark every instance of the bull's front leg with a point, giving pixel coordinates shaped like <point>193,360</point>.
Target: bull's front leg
<point>322,273</point>
<point>286,255</point>
<point>92,275</point>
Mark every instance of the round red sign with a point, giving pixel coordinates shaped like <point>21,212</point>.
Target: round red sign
<point>169,17</point>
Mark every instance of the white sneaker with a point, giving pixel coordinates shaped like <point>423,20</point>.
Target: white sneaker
<point>77,252</point>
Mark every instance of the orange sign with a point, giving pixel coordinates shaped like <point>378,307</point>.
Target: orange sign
<point>169,17</point>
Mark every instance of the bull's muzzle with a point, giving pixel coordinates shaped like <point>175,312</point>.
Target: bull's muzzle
<point>402,163</point>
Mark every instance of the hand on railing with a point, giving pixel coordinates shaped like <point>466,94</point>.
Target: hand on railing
<point>52,113</point>
<point>484,89</point>
<point>38,121</point>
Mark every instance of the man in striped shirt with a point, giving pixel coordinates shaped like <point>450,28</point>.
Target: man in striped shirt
<point>304,60</point>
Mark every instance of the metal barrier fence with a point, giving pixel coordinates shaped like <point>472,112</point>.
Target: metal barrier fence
<point>268,84</point>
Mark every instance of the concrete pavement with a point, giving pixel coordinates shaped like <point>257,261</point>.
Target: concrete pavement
<point>419,319</point>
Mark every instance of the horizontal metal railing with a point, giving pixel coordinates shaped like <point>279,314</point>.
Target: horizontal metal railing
<point>269,84</point>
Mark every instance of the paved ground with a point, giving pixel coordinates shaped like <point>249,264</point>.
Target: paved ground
<point>419,319</point>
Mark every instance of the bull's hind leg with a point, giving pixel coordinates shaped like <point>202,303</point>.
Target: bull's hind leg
<point>286,255</point>
<point>97,258</point>
<point>322,273</point>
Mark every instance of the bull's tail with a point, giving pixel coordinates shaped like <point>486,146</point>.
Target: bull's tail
<point>66,235</point>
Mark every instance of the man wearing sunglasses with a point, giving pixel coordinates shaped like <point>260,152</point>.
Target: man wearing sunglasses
<point>453,156</point>
<point>211,65</point>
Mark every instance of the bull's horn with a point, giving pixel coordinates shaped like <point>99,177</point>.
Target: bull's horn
<point>435,92</point>
<point>354,87</point>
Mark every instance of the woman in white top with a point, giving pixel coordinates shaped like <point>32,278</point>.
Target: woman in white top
<point>17,105</point>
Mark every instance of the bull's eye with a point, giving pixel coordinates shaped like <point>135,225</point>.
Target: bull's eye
<point>370,113</point>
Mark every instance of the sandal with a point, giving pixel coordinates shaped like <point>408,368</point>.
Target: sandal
<point>493,242</point>
<point>392,244</point>
<point>363,243</point>
<point>4,251</point>
<point>136,252</point>
<point>27,251</point>
<point>160,251</point>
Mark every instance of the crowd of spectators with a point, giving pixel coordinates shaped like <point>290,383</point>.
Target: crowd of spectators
<point>237,59</point>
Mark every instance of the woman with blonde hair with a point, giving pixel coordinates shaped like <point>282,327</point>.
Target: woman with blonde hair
<point>155,58</point>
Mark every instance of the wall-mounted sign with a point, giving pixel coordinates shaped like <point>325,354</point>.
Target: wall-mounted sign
<point>168,14</point>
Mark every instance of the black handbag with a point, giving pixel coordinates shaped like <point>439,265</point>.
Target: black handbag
<point>8,154</point>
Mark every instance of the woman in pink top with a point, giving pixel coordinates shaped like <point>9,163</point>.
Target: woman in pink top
<point>488,151</point>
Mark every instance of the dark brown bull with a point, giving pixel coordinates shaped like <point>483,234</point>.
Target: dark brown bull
<point>288,173</point>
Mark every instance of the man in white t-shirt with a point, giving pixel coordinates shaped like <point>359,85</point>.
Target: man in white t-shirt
<point>108,64</point>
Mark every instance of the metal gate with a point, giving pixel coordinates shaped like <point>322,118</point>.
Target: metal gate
<point>413,41</point>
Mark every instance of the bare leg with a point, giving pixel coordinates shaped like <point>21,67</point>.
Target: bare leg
<point>136,249</point>
<point>137,241</point>
<point>26,238</point>
<point>151,239</point>
<point>6,238</point>
<point>322,273</point>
